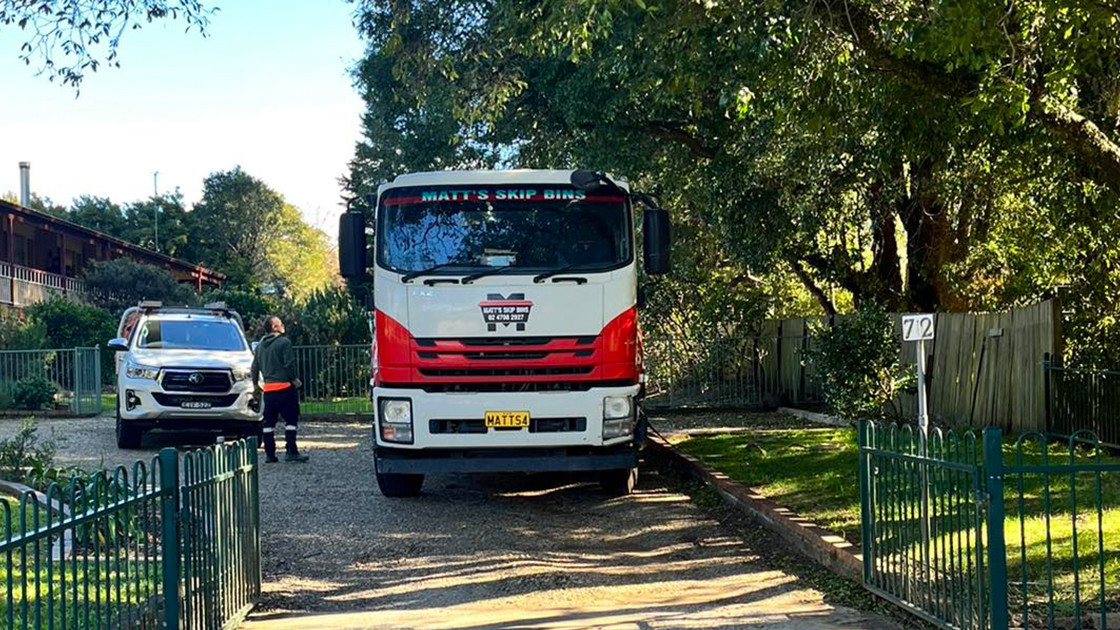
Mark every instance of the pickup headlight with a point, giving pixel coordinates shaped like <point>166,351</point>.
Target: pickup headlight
<point>135,370</point>
<point>241,374</point>
<point>395,416</point>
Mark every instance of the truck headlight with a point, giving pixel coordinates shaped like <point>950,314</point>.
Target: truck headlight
<point>135,370</point>
<point>241,374</point>
<point>395,419</point>
<point>618,417</point>
<point>617,407</point>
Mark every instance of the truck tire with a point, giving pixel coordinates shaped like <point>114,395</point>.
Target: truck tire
<point>621,482</point>
<point>397,485</point>
<point>129,436</point>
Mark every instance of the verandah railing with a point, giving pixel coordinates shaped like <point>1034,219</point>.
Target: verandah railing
<point>141,548</point>
<point>974,533</point>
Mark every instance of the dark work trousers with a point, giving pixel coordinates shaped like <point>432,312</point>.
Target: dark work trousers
<point>281,404</point>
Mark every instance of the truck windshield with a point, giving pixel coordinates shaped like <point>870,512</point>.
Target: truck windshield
<point>190,335</point>
<point>535,227</point>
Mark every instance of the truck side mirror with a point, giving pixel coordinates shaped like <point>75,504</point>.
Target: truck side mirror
<point>120,344</point>
<point>657,241</point>
<point>352,245</point>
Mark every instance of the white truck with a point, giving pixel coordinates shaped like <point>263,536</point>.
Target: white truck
<point>506,323</point>
<point>182,368</point>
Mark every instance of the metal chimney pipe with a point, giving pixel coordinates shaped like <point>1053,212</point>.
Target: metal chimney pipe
<point>25,184</point>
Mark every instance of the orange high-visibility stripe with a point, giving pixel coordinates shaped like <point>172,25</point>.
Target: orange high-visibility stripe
<point>275,387</point>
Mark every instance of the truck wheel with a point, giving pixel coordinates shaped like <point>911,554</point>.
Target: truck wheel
<point>619,482</point>
<point>396,485</point>
<point>129,436</point>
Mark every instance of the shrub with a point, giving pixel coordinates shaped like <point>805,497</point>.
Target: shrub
<point>857,360</point>
<point>70,324</point>
<point>21,333</point>
<point>328,317</point>
<point>33,393</point>
<point>118,284</point>
<point>24,458</point>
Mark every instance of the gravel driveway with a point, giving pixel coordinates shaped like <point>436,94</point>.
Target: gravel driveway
<point>491,551</point>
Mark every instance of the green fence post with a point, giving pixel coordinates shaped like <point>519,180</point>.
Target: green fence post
<point>76,402</point>
<point>169,514</point>
<point>865,499</point>
<point>997,549</point>
<point>97,379</point>
<point>1046,390</point>
<point>255,514</point>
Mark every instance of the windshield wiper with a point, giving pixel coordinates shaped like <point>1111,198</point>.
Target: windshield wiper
<point>489,272</point>
<point>412,275</point>
<point>555,272</point>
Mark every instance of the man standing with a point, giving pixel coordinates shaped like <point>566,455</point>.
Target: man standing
<point>275,361</point>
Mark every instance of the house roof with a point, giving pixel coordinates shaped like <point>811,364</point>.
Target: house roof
<point>62,225</point>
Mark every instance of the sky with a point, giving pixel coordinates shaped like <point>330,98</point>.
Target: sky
<point>269,89</point>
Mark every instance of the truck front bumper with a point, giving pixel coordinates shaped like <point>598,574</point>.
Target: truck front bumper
<point>391,460</point>
<point>559,420</point>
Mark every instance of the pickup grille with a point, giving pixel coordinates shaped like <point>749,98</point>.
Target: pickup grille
<point>206,381</point>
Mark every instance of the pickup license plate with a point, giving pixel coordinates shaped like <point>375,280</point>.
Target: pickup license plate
<point>507,419</point>
<point>196,404</point>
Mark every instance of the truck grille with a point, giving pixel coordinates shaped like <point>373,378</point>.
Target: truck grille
<point>201,381</point>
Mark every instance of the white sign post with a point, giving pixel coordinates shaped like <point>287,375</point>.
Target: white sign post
<point>919,328</point>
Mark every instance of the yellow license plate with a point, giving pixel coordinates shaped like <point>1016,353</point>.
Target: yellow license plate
<point>507,419</point>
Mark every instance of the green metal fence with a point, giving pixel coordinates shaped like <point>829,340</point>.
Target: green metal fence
<point>137,548</point>
<point>335,379</point>
<point>737,371</point>
<point>972,533</point>
<point>1081,398</point>
<point>75,372</point>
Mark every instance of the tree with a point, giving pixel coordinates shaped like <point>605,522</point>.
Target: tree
<point>118,284</point>
<point>66,38</point>
<point>247,231</point>
<point>235,224</point>
<point>98,213</point>
<point>174,225</point>
<point>900,153</point>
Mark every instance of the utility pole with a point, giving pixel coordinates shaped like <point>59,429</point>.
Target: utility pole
<point>155,200</point>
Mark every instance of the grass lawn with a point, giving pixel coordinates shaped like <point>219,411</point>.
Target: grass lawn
<point>813,471</point>
<point>10,512</point>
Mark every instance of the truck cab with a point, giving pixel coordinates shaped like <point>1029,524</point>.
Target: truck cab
<point>506,323</point>
<point>182,368</point>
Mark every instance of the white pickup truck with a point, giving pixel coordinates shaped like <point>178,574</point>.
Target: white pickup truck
<point>183,368</point>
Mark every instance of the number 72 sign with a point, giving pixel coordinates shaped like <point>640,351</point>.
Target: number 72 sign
<point>917,327</point>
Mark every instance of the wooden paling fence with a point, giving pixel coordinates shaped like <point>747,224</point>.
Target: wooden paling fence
<point>983,369</point>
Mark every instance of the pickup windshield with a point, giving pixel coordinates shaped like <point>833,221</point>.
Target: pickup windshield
<point>190,335</point>
<point>465,229</point>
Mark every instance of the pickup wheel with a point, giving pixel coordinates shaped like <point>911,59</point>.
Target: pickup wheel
<point>129,436</point>
<point>619,483</point>
<point>396,485</point>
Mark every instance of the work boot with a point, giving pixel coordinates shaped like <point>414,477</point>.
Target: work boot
<point>272,459</point>
<point>295,457</point>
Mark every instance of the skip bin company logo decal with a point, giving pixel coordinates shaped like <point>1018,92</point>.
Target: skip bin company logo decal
<point>505,310</point>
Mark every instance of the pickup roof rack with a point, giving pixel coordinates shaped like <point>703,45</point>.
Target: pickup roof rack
<point>214,308</point>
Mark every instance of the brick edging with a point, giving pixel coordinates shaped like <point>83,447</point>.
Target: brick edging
<point>822,546</point>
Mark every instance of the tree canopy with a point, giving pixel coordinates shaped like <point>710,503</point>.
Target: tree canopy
<point>65,39</point>
<point>921,155</point>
